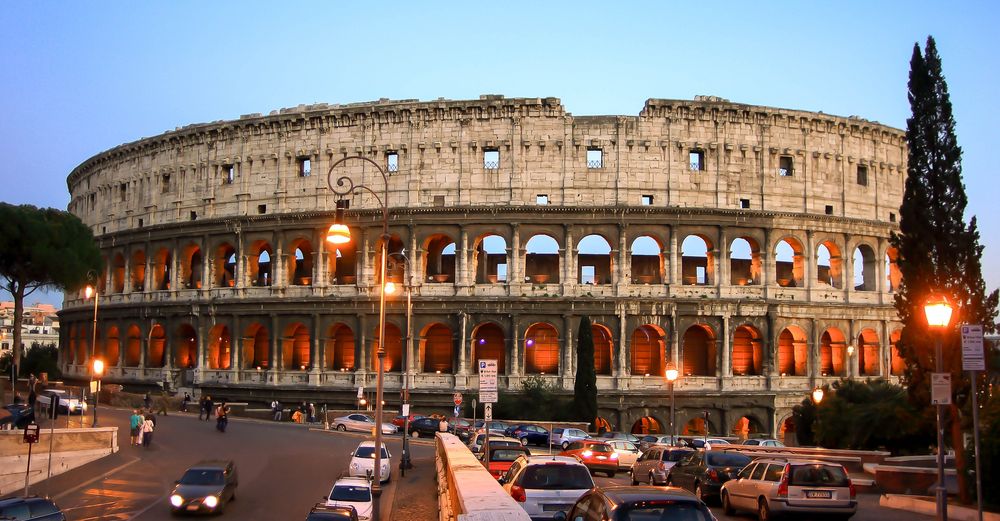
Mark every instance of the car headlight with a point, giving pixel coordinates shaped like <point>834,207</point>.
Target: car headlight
<point>211,501</point>
<point>176,500</point>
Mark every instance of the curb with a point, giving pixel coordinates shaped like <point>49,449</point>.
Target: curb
<point>925,505</point>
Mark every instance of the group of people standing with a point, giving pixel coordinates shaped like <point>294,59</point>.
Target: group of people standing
<point>305,413</point>
<point>142,423</point>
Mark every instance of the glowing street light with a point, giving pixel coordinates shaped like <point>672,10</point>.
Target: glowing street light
<point>938,311</point>
<point>98,368</point>
<point>817,395</point>
<point>672,374</point>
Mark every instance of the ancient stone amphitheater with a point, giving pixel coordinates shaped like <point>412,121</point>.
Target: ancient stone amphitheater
<point>746,246</point>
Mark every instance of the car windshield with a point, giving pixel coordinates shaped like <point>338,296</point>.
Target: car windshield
<point>202,477</point>
<point>679,511</point>
<point>818,475</point>
<point>505,454</point>
<point>355,493</point>
<point>564,477</point>
<point>726,459</point>
<point>369,452</point>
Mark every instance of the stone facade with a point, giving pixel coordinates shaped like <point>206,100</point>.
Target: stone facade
<point>747,246</point>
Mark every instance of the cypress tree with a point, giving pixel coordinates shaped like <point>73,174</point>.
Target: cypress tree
<point>937,251</point>
<point>585,387</point>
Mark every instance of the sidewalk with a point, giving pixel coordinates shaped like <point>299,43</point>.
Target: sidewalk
<point>416,497</point>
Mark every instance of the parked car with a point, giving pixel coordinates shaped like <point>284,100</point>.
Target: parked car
<point>659,439</point>
<point>597,455</point>
<point>460,427</point>
<point>16,416</point>
<point>424,427</point>
<point>563,437</point>
<point>763,442</point>
<point>205,487</point>
<point>363,461</point>
<point>621,436</point>
<point>620,503</point>
<point>654,464</point>
<point>773,487</point>
<point>704,443</point>
<point>321,512</point>
<point>352,492</point>
<point>476,444</point>
<point>496,427</point>
<point>67,404</point>
<point>703,472</point>
<point>400,421</point>
<point>30,508</point>
<point>628,453</point>
<point>501,458</point>
<point>361,423</point>
<point>545,485</point>
<point>528,434</point>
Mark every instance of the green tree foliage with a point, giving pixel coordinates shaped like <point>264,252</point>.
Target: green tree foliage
<point>41,359</point>
<point>804,416</point>
<point>867,415</point>
<point>536,402</point>
<point>989,447</point>
<point>937,251</point>
<point>42,247</point>
<point>585,387</point>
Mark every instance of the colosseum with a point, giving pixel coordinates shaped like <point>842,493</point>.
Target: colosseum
<point>746,246</point>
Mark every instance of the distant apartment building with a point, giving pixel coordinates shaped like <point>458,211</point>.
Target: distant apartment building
<point>39,324</point>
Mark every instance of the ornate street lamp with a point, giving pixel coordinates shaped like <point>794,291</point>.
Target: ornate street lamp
<point>672,375</point>
<point>938,311</point>
<point>98,367</point>
<point>339,233</point>
<point>817,395</point>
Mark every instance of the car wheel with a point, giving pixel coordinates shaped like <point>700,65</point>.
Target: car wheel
<point>564,445</point>
<point>727,507</point>
<point>524,441</point>
<point>342,428</point>
<point>763,512</point>
<point>610,473</point>
<point>634,481</point>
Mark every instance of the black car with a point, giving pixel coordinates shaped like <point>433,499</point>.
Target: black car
<point>17,416</point>
<point>205,487</point>
<point>321,512</point>
<point>528,434</point>
<point>621,503</point>
<point>704,472</point>
<point>30,508</point>
<point>424,427</point>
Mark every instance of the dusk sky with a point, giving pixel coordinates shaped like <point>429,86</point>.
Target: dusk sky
<point>83,77</point>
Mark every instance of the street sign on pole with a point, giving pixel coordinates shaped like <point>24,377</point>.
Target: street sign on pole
<point>361,392</point>
<point>488,381</point>
<point>406,410</point>
<point>458,399</point>
<point>941,388</point>
<point>972,348</point>
<point>488,412</point>
<point>488,397</point>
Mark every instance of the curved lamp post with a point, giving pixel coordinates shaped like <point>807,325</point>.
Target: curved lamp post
<point>339,233</point>
<point>390,288</point>
<point>672,374</point>
<point>96,366</point>
<point>938,310</point>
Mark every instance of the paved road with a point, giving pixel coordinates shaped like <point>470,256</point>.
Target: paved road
<point>284,469</point>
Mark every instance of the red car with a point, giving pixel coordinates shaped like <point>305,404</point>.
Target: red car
<point>597,455</point>
<point>399,421</point>
<point>502,457</point>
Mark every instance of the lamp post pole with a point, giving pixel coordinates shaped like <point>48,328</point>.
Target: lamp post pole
<point>671,375</point>
<point>92,290</point>
<point>938,311</point>
<point>341,235</point>
<point>404,461</point>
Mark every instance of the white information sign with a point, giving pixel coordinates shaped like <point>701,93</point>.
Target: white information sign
<point>488,397</point>
<point>941,388</point>
<point>972,348</point>
<point>361,392</point>
<point>488,381</point>
<point>488,412</point>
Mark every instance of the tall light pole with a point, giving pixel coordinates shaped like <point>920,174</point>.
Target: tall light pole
<point>938,310</point>
<point>339,233</point>
<point>390,288</point>
<point>96,366</point>
<point>672,375</point>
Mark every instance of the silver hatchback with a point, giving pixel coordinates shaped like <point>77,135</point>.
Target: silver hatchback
<point>654,464</point>
<point>775,486</point>
<point>546,485</point>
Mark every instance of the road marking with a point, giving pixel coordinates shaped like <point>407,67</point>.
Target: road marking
<point>98,478</point>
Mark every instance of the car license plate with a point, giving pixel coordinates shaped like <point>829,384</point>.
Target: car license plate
<point>193,507</point>
<point>602,457</point>
<point>819,494</point>
<point>557,507</point>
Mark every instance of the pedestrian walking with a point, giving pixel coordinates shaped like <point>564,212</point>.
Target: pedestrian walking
<point>135,424</point>
<point>208,407</point>
<point>312,412</point>
<point>147,401</point>
<point>32,391</point>
<point>222,416</point>
<point>148,424</point>
<point>276,410</point>
<point>185,402</point>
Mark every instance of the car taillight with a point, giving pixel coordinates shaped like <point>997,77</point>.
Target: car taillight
<point>518,494</point>
<point>586,454</point>
<point>713,475</point>
<point>783,484</point>
<point>850,484</point>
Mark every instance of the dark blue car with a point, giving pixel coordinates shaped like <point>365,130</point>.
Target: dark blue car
<point>528,434</point>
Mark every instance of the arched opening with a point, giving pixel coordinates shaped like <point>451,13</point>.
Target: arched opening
<point>744,262</point>
<point>156,355</point>
<point>162,266</point>
<point>603,350</point>
<point>489,343</point>
<point>647,261</point>
<point>541,260</point>
<point>646,425</point>
<point>186,348</point>
<point>786,431</point>
<point>793,352</point>
<point>219,347</point>
<point>191,266</point>
<point>393,361</point>
<point>697,261</point>
<point>747,426</point>
<point>339,347</point>
<point>225,266</point>
<point>864,268</point>
<point>541,349</point>
<point>260,264</point>
<point>118,273</point>
<point>868,353</point>
<point>832,353</point>
<point>439,260</point>
<point>342,261</point>
<point>133,346</point>
<point>138,271</point>
<point>695,427</point>
<point>436,349</point>
<point>112,347</point>
<point>789,265</point>
<point>829,265</point>
<point>893,277</point>
<point>897,365</point>
<point>748,354</point>
<point>593,260</point>
<point>300,263</point>
<point>491,260</point>
<point>699,351</point>
<point>601,424</point>
<point>648,351</point>
<point>295,353</point>
<point>257,347</point>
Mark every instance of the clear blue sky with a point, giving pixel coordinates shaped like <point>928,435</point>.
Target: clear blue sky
<point>82,77</point>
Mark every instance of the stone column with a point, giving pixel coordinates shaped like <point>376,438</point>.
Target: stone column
<point>462,259</point>
<point>767,265</point>
<point>568,359</point>
<point>725,355</point>
<point>723,275</point>
<point>361,348</point>
<point>674,257</point>
<point>235,348</point>
<point>515,274</point>
<point>568,279</point>
<point>623,272</point>
<point>515,350</point>
<point>810,268</point>
<point>624,357</point>
<point>128,271</point>
<point>316,355</point>
<point>463,343</point>
<point>275,358</point>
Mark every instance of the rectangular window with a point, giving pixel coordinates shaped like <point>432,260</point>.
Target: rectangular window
<point>701,275</point>
<point>140,223</point>
<point>785,166</point>
<point>542,199</point>
<point>595,158</point>
<point>587,275</point>
<point>647,200</point>
<point>862,175</point>
<point>165,186</point>
<point>892,217</point>
<point>261,208</point>
<point>194,215</point>
<point>829,209</point>
<point>93,201</point>
<point>123,190</point>
<point>305,167</point>
<point>697,159</point>
<point>744,203</point>
<point>438,200</point>
<point>392,161</point>
<point>491,159</point>
<point>229,173</point>
<point>502,272</point>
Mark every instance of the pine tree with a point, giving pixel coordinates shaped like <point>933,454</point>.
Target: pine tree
<point>937,251</point>
<point>585,387</point>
